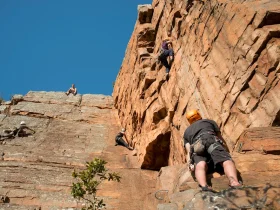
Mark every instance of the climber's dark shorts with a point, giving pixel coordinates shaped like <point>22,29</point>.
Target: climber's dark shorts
<point>219,155</point>
<point>120,141</point>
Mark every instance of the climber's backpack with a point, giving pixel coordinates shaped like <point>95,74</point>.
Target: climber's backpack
<point>164,47</point>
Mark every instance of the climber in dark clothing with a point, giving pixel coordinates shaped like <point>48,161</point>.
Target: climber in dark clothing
<point>120,141</point>
<point>20,132</point>
<point>9,134</point>
<point>166,51</point>
<point>204,143</point>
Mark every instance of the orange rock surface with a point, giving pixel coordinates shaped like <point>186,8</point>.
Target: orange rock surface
<point>226,66</point>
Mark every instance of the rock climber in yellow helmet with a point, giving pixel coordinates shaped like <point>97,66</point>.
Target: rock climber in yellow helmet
<point>204,144</point>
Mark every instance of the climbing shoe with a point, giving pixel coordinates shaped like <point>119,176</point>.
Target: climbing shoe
<point>207,189</point>
<point>236,187</point>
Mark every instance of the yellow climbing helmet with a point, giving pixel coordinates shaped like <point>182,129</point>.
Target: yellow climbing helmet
<point>193,116</point>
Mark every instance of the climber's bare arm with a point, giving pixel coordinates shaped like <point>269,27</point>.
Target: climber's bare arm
<point>188,149</point>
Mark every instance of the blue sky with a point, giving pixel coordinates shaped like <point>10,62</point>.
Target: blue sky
<point>46,45</point>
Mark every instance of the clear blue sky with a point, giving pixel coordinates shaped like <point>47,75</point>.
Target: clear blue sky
<point>46,45</point>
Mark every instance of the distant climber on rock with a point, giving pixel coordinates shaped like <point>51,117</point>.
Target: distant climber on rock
<point>120,141</point>
<point>72,90</point>
<point>165,53</point>
<point>8,133</point>
<point>204,144</point>
<point>20,132</point>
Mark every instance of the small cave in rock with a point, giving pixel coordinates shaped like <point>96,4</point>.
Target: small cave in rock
<point>276,122</point>
<point>148,83</point>
<point>159,115</point>
<point>157,153</point>
<point>147,35</point>
<point>271,18</point>
<point>176,15</point>
<point>150,49</point>
<point>146,15</point>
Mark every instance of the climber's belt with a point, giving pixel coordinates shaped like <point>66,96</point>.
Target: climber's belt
<point>202,134</point>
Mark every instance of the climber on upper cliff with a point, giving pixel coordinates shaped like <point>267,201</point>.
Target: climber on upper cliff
<point>204,144</point>
<point>120,141</point>
<point>165,52</point>
<point>72,90</point>
<point>20,132</point>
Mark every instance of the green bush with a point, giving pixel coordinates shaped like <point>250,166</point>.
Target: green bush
<point>86,183</point>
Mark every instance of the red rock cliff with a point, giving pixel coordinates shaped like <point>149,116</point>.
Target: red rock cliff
<point>226,65</point>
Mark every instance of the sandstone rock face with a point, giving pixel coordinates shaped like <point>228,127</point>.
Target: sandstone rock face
<point>70,130</point>
<point>226,65</point>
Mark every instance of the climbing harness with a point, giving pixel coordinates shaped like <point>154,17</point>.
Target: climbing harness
<point>199,147</point>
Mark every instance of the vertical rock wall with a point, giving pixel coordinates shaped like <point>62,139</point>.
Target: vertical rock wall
<point>226,65</point>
